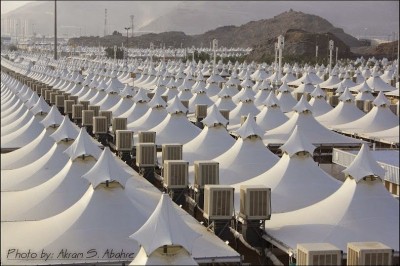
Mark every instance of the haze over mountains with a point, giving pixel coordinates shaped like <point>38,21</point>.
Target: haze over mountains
<point>358,18</point>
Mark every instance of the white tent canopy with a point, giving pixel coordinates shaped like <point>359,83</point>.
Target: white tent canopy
<point>364,204</point>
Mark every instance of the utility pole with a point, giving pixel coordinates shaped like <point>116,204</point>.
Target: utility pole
<point>55,29</point>
<point>276,54</point>
<point>281,44</point>
<point>337,51</point>
<point>127,40</point>
<point>215,45</point>
<point>331,43</point>
<point>132,16</point>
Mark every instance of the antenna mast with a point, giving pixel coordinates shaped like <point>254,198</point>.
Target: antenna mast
<point>105,22</point>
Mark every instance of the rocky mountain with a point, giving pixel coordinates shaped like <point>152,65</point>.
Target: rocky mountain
<point>388,50</point>
<point>300,46</point>
<point>247,35</point>
<point>196,17</point>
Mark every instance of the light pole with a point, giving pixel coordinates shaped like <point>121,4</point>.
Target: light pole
<point>281,43</point>
<point>127,40</point>
<point>55,29</point>
<point>330,55</point>
<point>215,45</point>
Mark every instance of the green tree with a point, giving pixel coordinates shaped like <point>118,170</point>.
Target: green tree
<point>110,52</point>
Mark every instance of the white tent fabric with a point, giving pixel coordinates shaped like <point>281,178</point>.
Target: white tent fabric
<point>390,135</point>
<point>364,205</point>
<point>247,158</point>
<point>165,222</point>
<point>346,111</point>
<point>296,181</point>
<point>286,100</point>
<point>271,115</point>
<point>83,145</point>
<point>317,134</point>
<point>379,118</point>
<point>377,84</point>
<point>53,118</point>
<point>28,153</point>
<point>319,106</point>
<point>180,257</point>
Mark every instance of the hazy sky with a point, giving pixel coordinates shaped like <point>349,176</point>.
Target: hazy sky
<point>7,6</point>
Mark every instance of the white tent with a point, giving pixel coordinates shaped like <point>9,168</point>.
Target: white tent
<point>286,100</point>
<point>213,140</point>
<point>364,204</point>
<point>139,108</point>
<point>247,158</point>
<point>271,115</point>
<point>170,230</point>
<point>390,135</point>
<point>296,181</point>
<point>316,133</point>
<point>379,118</point>
<point>318,103</point>
<point>175,128</point>
<point>346,111</point>
<point>377,84</point>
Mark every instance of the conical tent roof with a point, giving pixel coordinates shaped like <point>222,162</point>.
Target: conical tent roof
<point>364,205</point>
<point>54,117</point>
<point>175,106</point>
<point>296,181</point>
<point>214,117</point>
<point>106,169</point>
<point>66,130</point>
<point>249,128</point>
<point>297,143</point>
<point>364,165</point>
<point>179,257</point>
<point>83,145</point>
<point>167,225</point>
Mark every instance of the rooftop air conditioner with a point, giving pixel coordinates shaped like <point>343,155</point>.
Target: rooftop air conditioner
<point>119,123</point>
<point>66,95</point>
<point>360,104</point>
<point>95,109</point>
<point>201,111</point>
<point>60,100</point>
<point>85,104</point>
<point>218,202</point>
<point>225,113</point>
<point>333,100</point>
<point>318,254</point>
<point>368,253</point>
<point>100,125</point>
<point>77,111</point>
<point>368,106</point>
<point>176,174</point>
<point>87,117</point>
<point>146,155</point>
<point>147,137</point>
<point>205,172</point>
<point>74,98</point>
<point>53,97</point>
<point>124,140</point>
<point>243,119</point>
<point>255,202</point>
<point>68,106</point>
<point>108,115</point>
<point>47,94</point>
<point>171,152</point>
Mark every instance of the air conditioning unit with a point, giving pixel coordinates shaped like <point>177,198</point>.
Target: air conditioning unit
<point>119,123</point>
<point>368,106</point>
<point>243,119</point>
<point>333,100</point>
<point>124,140</point>
<point>360,104</point>
<point>205,172</point>
<point>68,106</point>
<point>95,109</point>
<point>218,202</point>
<point>201,111</point>
<point>77,111</point>
<point>368,253</point>
<point>53,97</point>
<point>48,94</point>
<point>147,137</point>
<point>87,117</point>
<point>85,104</point>
<point>66,95</point>
<point>146,155</point>
<point>60,100</point>
<point>108,115</point>
<point>176,174</point>
<point>171,152</point>
<point>318,254</point>
<point>225,113</point>
<point>74,98</point>
<point>100,125</point>
<point>255,202</point>
<point>43,92</point>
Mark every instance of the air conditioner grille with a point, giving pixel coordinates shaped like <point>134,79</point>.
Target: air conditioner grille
<point>171,152</point>
<point>87,117</point>
<point>147,137</point>
<point>108,115</point>
<point>95,109</point>
<point>201,110</point>
<point>146,155</point>
<point>119,123</point>
<point>60,100</point>
<point>124,140</point>
<point>175,173</point>
<point>100,125</point>
<point>77,111</point>
<point>68,106</point>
